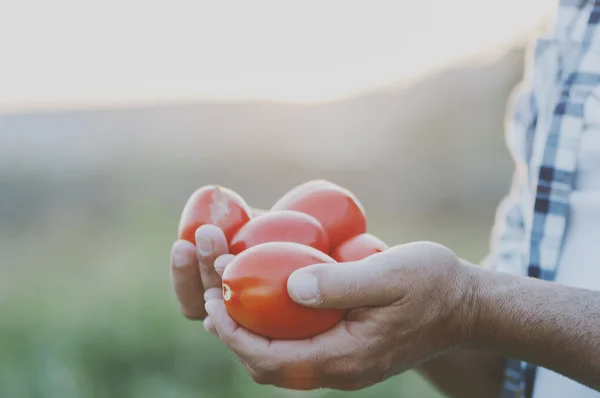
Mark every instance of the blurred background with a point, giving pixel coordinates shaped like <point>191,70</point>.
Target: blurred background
<point>113,112</point>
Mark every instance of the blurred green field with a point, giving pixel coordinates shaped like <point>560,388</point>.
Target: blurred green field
<point>90,197</point>
<point>90,200</point>
<point>87,311</point>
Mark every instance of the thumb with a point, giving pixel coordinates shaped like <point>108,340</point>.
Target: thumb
<point>368,282</point>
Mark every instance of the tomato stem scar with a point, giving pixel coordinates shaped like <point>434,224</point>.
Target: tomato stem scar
<point>226,292</point>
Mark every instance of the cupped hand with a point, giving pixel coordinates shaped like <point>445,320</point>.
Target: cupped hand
<point>193,274</point>
<point>406,305</point>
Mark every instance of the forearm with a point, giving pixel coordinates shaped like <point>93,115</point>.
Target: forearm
<point>543,323</point>
<point>464,373</point>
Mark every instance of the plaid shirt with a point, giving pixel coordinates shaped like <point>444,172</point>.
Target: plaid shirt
<point>543,135</point>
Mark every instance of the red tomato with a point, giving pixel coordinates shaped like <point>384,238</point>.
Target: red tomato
<point>280,226</point>
<point>256,296</point>
<point>215,205</point>
<point>358,247</point>
<point>336,208</point>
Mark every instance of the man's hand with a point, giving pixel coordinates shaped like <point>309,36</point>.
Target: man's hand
<point>193,269</point>
<point>408,304</point>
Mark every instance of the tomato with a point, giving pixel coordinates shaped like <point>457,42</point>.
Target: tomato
<point>280,226</point>
<point>358,247</point>
<point>256,296</point>
<point>213,204</point>
<point>336,208</point>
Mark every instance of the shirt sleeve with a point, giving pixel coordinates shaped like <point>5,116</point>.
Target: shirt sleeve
<point>508,242</point>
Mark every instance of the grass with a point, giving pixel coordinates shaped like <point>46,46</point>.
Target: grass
<point>87,311</point>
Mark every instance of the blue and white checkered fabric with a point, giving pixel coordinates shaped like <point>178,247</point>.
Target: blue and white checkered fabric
<point>543,135</point>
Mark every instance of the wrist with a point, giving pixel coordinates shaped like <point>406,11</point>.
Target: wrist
<point>494,307</point>
<point>456,285</point>
<point>470,306</point>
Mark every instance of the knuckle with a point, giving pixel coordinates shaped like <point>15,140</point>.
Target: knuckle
<point>354,287</point>
<point>331,289</point>
<point>346,368</point>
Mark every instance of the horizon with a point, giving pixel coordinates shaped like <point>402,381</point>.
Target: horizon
<point>472,63</point>
<point>311,66</point>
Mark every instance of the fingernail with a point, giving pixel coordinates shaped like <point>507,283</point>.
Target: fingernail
<point>180,258</point>
<point>204,245</point>
<point>213,293</point>
<point>209,306</point>
<point>304,287</point>
<point>209,324</point>
<point>222,261</point>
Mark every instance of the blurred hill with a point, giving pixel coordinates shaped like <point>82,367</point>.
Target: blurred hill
<point>90,201</point>
<point>434,145</point>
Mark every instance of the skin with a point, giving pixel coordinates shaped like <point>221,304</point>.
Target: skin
<point>413,306</point>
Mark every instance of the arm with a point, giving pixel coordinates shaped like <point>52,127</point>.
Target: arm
<point>477,373</point>
<point>415,302</point>
<point>472,372</point>
<point>545,323</point>
<point>540,322</point>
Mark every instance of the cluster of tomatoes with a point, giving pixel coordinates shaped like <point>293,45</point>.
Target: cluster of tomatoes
<point>316,222</point>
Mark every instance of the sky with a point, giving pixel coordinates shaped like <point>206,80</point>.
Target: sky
<point>73,53</point>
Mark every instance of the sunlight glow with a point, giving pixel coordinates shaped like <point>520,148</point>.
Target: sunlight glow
<point>72,53</point>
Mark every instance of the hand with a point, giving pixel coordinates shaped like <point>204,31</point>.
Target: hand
<point>408,304</point>
<point>193,272</point>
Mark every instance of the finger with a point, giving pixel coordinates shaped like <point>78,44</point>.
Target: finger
<point>209,326</point>
<point>257,212</point>
<point>369,282</point>
<point>214,293</point>
<point>241,341</point>
<point>274,354</point>
<point>186,280</point>
<point>222,262</point>
<point>210,244</point>
<point>264,365</point>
